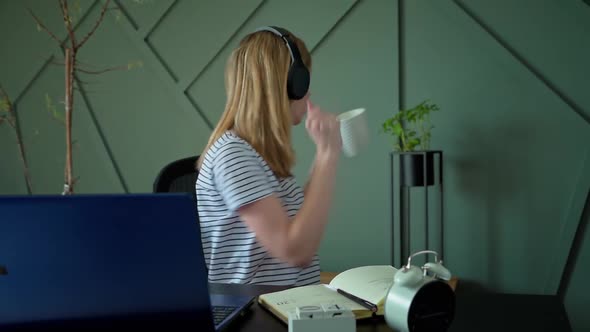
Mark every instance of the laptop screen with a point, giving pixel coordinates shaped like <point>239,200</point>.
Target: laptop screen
<point>66,258</point>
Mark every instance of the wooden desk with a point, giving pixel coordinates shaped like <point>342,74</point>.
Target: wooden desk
<point>475,311</point>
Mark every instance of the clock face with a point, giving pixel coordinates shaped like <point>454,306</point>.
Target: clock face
<point>433,308</point>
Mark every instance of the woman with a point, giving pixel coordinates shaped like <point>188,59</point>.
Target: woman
<point>256,226</point>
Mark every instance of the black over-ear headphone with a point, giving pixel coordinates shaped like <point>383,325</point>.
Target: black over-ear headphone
<point>298,76</point>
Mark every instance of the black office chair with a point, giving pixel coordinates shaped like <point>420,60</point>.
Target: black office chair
<point>178,176</point>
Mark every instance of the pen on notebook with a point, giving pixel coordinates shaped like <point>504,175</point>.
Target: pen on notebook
<point>358,300</point>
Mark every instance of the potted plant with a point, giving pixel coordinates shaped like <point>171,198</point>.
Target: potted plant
<point>410,130</point>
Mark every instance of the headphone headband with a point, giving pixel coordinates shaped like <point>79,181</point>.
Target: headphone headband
<point>298,77</point>
<point>286,36</point>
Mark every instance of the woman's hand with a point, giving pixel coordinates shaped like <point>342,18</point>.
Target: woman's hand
<point>324,130</point>
<point>296,240</point>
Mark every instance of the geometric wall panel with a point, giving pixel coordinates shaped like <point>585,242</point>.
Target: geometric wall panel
<point>144,14</point>
<point>209,92</point>
<point>553,40</point>
<point>512,149</point>
<point>510,77</point>
<point>201,30</point>
<point>139,113</point>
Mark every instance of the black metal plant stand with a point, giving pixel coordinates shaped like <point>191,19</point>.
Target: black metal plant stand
<point>416,170</point>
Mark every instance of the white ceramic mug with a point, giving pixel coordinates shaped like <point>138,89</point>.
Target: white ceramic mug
<point>354,131</point>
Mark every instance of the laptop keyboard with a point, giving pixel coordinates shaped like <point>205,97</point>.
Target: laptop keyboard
<point>221,312</point>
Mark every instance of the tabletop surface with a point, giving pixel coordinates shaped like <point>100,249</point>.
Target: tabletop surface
<point>475,311</point>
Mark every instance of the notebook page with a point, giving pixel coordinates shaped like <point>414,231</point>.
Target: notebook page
<point>312,295</point>
<point>370,283</point>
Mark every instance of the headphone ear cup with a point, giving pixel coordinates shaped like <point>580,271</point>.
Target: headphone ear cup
<point>297,81</point>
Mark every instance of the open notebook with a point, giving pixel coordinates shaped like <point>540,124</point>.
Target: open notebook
<point>369,283</point>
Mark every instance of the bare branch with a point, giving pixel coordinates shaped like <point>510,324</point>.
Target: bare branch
<point>81,83</point>
<point>79,62</point>
<point>70,56</point>
<point>68,22</point>
<point>8,120</point>
<point>42,26</point>
<point>96,72</point>
<point>12,121</point>
<point>96,24</point>
<point>57,63</point>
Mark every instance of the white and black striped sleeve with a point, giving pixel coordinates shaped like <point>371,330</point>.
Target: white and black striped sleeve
<point>240,176</point>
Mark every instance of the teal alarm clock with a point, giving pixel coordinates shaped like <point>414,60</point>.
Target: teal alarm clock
<point>420,298</point>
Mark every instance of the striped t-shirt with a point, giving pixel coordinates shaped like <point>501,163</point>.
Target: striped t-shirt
<point>232,175</point>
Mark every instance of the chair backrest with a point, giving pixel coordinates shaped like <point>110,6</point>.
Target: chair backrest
<point>178,176</point>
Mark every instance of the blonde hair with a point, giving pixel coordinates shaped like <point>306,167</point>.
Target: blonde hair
<point>258,108</point>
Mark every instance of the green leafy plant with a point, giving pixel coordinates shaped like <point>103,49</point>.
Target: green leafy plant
<point>411,128</point>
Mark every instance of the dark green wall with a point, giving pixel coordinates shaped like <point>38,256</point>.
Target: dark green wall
<point>575,286</point>
<point>511,78</point>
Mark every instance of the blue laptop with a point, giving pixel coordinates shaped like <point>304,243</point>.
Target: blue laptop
<point>98,262</point>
